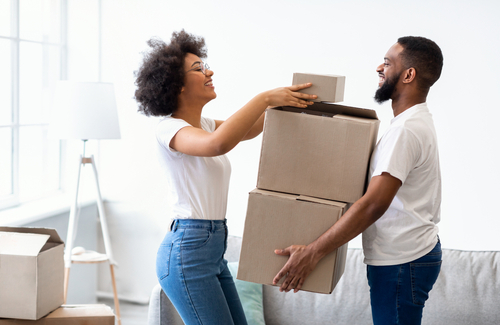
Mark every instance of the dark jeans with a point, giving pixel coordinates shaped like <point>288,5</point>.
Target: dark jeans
<point>398,292</point>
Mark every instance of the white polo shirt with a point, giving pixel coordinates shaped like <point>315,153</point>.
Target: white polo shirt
<point>408,151</point>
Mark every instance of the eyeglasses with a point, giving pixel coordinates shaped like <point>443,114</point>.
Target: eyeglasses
<point>202,66</point>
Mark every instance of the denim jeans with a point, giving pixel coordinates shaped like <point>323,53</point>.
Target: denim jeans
<point>398,292</point>
<point>194,275</point>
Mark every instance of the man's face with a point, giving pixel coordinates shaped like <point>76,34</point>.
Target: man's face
<point>389,73</point>
<point>385,92</point>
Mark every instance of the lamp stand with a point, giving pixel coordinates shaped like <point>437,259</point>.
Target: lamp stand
<point>89,257</point>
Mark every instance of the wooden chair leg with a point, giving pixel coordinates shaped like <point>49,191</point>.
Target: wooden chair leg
<point>115,292</point>
<point>66,281</point>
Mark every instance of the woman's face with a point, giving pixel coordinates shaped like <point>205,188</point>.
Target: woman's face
<point>198,86</point>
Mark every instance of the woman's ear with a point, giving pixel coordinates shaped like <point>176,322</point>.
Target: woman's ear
<point>409,75</point>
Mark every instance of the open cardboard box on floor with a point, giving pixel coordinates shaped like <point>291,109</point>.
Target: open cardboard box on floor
<point>71,315</point>
<point>277,220</point>
<point>31,272</point>
<point>322,151</point>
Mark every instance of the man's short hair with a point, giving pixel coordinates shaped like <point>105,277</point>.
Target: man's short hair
<point>425,56</point>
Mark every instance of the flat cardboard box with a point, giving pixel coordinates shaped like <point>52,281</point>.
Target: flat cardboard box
<point>328,88</point>
<point>31,272</point>
<point>71,315</point>
<point>323,151</point>
<point>277,220</point>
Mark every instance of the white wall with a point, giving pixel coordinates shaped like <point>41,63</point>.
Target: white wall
<point>257,45</point>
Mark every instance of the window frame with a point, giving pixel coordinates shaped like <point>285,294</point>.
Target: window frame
<point>13,198</point>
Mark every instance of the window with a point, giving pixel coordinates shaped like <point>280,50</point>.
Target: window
<point>32,60</point>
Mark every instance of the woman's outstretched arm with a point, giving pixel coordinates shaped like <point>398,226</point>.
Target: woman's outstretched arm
<point>197,142</point>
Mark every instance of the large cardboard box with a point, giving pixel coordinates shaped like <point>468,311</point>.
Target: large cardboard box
<point>71,315</point>
<point>277,220</point>
<point>328,88</point>
<point>323,151</point>
<point>31,272</point>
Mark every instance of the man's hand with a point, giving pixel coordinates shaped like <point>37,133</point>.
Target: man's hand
<point>300,264</point>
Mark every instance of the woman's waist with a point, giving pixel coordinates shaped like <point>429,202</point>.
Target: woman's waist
<point>193,210</point>
<point>214,224</point>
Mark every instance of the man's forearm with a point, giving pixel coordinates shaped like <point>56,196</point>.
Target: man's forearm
<point>359,217</point>
<point>363,213</point>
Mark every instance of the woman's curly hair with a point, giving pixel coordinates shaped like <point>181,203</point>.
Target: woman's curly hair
<point>161,75</point>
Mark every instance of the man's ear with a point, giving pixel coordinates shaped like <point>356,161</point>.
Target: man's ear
<point>409,75</point>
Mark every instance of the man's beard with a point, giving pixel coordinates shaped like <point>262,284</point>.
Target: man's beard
<point>385,91</point>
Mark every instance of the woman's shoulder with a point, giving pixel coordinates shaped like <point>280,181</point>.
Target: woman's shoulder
<point>168,127</point>
<point>169,122</point>
<point>208,124</point>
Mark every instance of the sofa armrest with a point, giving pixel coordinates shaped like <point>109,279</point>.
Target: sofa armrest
<point>161,311</point>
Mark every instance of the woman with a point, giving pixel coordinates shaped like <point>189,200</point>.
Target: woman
<point>174,82</point>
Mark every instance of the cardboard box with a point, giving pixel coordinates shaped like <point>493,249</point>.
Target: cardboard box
<point>328,88</point>
<point>323,151</point>
<point>31,272</point>
<point>277,220</point>
<point>71,315</point>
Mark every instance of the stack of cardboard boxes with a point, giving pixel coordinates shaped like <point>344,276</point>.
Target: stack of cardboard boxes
<point>32,281</point>
<point>313,165</point>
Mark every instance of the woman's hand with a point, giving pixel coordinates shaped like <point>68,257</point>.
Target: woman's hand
<point>289,96</point>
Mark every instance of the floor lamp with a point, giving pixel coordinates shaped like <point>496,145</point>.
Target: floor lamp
<point>86,110</point>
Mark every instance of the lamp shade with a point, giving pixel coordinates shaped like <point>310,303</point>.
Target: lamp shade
<point>84,110</point>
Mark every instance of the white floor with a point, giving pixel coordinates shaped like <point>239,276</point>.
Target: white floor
<point>131,314</point>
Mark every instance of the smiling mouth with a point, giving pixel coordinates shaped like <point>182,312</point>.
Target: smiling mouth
<point>209,83</point>
<point>381,82</point>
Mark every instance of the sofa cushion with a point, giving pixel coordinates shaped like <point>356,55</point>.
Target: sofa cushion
<point>467,290</point>
<point>348,304</point>
<point>250,297</point>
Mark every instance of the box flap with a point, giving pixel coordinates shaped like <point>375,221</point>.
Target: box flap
<point>54,237</point>
<point>273,193</point>
<point>13,243</point>
<point>299,197</point>
<point>322,201</point>
<point>356,119</point>
<point>341,109</point>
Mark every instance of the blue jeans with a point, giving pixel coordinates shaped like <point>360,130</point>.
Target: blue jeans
<point>193,273</point>
<point>398,292</point>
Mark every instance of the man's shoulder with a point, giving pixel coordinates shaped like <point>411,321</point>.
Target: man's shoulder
<point>416,119</point>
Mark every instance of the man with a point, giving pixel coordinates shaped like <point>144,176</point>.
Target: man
<point>401,207</point>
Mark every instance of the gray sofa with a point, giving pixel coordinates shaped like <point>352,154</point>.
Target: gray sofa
<point>467,292</point>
